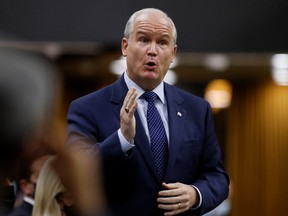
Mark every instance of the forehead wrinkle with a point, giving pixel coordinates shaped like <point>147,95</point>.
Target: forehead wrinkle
<point>143,26</point>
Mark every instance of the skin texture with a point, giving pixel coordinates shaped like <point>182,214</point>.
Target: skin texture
<point>149,51</point>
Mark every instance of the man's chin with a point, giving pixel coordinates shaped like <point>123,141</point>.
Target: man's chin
<point>150,75</point>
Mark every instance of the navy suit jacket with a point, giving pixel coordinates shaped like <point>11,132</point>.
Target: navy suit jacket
<point>25,209</point>
<point>130,179</point>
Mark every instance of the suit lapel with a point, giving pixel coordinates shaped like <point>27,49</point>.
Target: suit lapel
<point>176,120</point>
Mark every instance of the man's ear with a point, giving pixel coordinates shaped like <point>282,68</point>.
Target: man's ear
<point>174,52</point>
<point>124,46</point>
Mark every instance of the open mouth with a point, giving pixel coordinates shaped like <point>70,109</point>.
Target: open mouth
<point>151,64</point>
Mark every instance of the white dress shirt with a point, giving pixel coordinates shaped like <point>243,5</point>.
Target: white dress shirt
<point>160,104</point>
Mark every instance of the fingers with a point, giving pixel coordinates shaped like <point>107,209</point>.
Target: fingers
<point>174,198</point>
<point>171,198</point>
<point>130,103</point>
<point>127,119</point>
<point>172,189</point>
<point>173,208</point>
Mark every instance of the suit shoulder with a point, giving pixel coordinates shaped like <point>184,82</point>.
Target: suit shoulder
<point>187,96</point>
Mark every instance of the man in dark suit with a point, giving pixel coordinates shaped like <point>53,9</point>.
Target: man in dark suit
<point>27,180</point>
<point>194,180</point>
<point>25,209</point>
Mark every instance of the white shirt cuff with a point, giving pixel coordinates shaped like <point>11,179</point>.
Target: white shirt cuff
<point>200,197</point>
<point>125,145</point>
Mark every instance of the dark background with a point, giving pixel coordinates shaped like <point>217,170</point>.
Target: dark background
<point>203,25</point>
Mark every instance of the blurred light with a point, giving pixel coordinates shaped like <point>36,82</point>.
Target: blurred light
<point>279,64</point>
<point>52,50</point>
<point>171,77</point>
<point>216,62</point>
<point>280,61</point>
<point>119,66</point>
<point>280,76</point>
<point>219,93</point>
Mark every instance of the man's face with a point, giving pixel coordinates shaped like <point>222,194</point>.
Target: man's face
<point>149,50</point>
<point>28,186</point>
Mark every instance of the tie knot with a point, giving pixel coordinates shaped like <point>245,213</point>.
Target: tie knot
<point>149,96</point>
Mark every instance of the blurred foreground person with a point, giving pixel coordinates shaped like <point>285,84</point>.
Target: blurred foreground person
<point>80,169</point>
<point>27,88</point>
<point>158,146</point>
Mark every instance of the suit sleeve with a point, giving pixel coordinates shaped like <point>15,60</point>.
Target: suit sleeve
<point>213,181</point>
<point>81,121</point>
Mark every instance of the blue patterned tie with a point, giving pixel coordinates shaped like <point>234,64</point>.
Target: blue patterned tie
<point>158,139</point>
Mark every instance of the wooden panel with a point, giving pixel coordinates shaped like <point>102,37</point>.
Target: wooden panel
<point>257,149</point>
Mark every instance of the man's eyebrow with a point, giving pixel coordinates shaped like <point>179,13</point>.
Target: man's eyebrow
<point>141,33</point>
<point>164,34</point>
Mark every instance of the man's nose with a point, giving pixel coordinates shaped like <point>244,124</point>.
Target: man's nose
<point>152,49</point>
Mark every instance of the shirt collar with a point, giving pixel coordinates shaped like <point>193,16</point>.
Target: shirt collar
<point>159,90</point>
<point>28,200</point>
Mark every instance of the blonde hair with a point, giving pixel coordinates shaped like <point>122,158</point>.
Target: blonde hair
<point>48,186</point>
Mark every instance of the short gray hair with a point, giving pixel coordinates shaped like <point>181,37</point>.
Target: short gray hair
<point>131,21</point>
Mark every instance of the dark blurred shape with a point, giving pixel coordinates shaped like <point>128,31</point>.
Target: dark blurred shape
<point>26,98</point>
<point>26,181</point>
<point>28,83</point>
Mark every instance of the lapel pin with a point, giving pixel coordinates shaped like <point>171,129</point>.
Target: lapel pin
<point>179,114</point>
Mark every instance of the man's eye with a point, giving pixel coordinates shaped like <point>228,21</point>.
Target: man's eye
<point>144,40</point>
<point>163,43</point>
